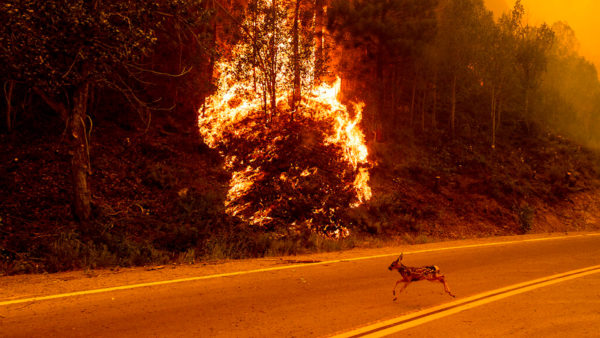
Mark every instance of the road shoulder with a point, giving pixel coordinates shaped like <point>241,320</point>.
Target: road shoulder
<point>39,285</point>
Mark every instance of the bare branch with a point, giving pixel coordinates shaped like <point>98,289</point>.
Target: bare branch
<point>57,106</point>
<point>185,71</point>
<point>73,64</point>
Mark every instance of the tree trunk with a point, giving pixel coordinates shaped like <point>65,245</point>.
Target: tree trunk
<point>381,93</point>
<point>423,109</point>
<point>526,115</point>
<point>9,87</point>
<point>80,168</point>
<point>264,92</point>
<point>255,56</point>
<point>214,31</point>
<point>526,103</point>
<point>412,102</point>
<point>394,93</point>
<point>434,108</point>
<point>453,108</point>
<point>297,95</point>
<point>273,97</point>
<point>499,114</point>
<point>493,113</point>
<point>273,73</point>
<point>319,30</point>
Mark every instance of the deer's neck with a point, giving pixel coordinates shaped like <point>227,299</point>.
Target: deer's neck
<point>404,270</point>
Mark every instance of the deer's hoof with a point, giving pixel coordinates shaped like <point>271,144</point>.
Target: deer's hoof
<point>393,300</point>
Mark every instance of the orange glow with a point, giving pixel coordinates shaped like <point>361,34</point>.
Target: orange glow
<point>497,6</point>
<point>237,109</point>
<point>581,15</point>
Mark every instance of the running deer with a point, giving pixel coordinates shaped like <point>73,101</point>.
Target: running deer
<point>411,274</point>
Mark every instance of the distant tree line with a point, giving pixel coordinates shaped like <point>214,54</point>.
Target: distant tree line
<point>448,65</point>
<point>426,65</point>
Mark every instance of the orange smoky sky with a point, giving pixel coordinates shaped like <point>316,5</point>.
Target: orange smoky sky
<point>581,15</point>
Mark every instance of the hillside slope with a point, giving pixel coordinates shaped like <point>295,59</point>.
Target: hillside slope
<point>158,195</point>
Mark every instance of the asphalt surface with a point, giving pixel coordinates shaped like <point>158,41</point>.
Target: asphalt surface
<point>569,309</point>
<point>327,299</point>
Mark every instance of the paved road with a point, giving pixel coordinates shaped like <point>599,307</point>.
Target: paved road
<point>568,309</point>
<point>326,299</point>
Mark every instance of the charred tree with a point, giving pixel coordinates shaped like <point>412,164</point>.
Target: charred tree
<point>9,87</point>
<point>80,163</point>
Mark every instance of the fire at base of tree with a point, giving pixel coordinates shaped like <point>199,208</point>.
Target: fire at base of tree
<point>298,158</point>
<point>290,174</point>
<point>287,178</point>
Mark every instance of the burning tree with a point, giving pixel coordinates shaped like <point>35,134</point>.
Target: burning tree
<point>290,173</point>
<point>275,50</point>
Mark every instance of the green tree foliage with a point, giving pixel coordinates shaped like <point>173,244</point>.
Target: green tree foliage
<point>64,49</point>
<point>56,46</point>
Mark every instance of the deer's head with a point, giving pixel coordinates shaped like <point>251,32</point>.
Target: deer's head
<point>397,263</point>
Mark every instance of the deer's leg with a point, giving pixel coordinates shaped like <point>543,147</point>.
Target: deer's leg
<point>395,286</point>
<point>394,290</point>
<point>401,289</point>
<point>442,280</point>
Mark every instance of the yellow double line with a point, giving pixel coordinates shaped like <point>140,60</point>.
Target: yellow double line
<point>295,266</point>
<point>398,324</point>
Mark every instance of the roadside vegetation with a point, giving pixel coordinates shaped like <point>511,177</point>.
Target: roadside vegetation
<point>474,126</point>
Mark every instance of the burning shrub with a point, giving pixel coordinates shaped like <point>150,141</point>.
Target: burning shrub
<point>296,155</point>
<point>288,177</point>
<point>290,174</point>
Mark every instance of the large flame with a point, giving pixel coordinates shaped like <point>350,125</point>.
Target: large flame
<point>236,109</point>
<point>324,101</point>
